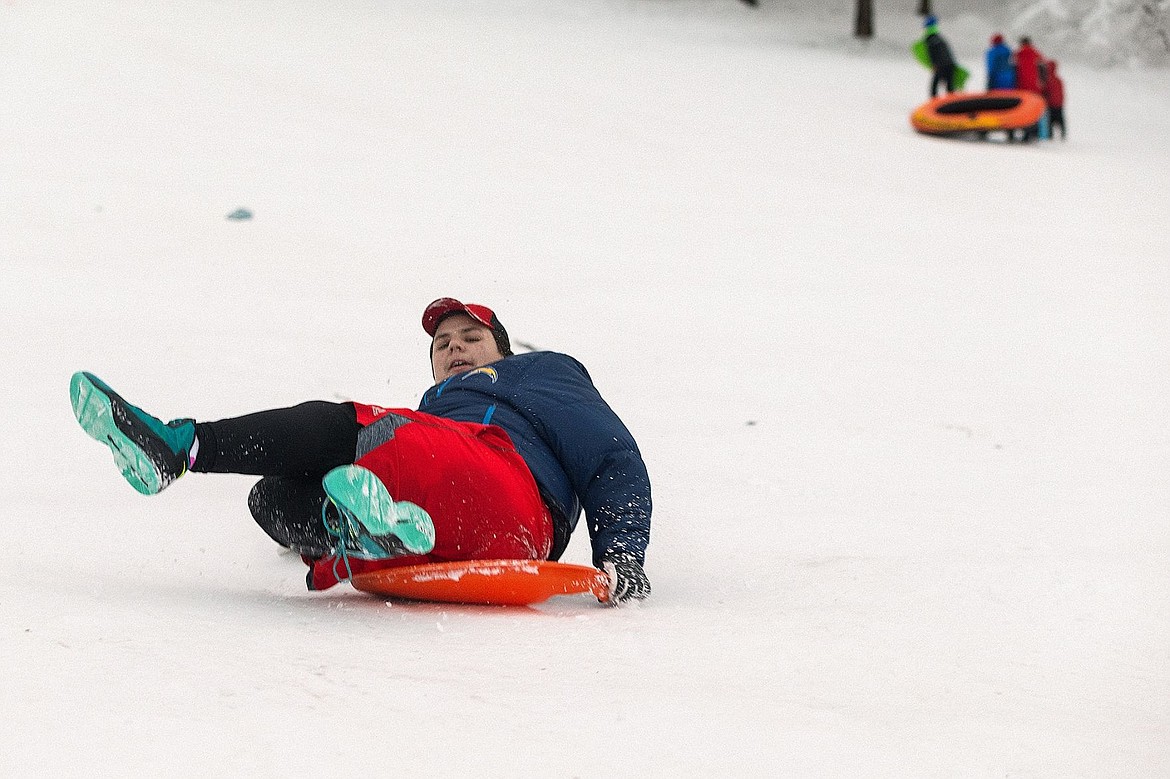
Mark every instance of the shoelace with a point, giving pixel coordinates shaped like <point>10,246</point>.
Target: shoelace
<point>342,555</point>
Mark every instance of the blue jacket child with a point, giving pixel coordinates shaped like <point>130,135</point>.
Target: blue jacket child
<point>1001,74</point>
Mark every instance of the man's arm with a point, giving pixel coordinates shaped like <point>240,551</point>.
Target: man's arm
<point>606,470</point>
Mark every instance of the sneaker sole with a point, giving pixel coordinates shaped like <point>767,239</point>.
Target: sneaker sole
<point>362,498</point>
<point>94,411</point>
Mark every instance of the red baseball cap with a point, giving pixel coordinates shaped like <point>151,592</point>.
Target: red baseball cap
<point>440,309</point>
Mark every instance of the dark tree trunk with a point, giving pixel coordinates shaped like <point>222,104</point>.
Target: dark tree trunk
<point>863,24</point>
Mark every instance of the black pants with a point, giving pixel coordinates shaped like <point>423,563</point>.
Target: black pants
<point>292,448</point>
<point>1056,119</point>
<point>943,76</point>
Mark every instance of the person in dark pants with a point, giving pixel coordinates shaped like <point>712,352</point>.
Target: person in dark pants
<point>1054,95</point>
<point>499,461</point>
<point>942,61</point>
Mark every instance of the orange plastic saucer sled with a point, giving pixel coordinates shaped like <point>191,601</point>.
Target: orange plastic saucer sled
<point>485,582</point>
<point>978,112</point>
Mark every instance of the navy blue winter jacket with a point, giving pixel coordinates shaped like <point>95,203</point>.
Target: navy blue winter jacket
<point>579,452</point>
<point>939,51</point>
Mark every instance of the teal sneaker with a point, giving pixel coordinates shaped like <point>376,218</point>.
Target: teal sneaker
<point>367,523</point>
<point>150,454</point>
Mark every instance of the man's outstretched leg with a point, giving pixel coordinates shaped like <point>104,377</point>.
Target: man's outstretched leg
<point>306,440</point>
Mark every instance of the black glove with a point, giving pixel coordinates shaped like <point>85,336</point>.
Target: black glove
<point>627,580</point>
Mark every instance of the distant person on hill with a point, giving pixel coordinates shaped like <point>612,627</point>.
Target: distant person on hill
<point>499,461</point>
<point>1028,60</point>
<point>1054,95</point>
<point>1028,66</point>
<point>1000,73</point>
<point>942,61</point>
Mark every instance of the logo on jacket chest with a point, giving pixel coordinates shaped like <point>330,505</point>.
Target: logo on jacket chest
<point>489,372</point>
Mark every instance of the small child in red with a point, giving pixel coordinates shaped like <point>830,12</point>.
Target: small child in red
<point>1054,95</point>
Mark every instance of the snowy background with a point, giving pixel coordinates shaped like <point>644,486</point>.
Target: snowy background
<point>904,400</point>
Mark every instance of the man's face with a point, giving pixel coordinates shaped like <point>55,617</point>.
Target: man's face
<point>461,344</point>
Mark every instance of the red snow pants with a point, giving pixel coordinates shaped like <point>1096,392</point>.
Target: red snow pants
<point>468,477</point>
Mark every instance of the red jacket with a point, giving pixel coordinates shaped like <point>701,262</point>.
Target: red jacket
<point>1028,68</point>
<point>1054,88</point>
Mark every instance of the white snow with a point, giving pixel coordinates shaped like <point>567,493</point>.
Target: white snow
<point>904,400</point>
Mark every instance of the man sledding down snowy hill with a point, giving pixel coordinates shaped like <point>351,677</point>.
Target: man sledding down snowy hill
<point>498,462</point>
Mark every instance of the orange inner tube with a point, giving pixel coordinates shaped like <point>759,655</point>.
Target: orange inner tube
<point>1000,109</point>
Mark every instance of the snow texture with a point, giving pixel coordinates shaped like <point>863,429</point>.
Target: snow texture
<point>904,400</point>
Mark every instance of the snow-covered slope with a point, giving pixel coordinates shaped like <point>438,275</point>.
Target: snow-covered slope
<point>903,400</point>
